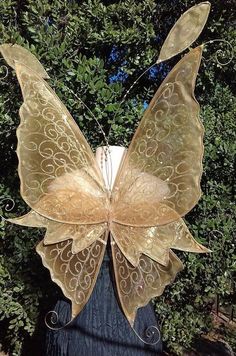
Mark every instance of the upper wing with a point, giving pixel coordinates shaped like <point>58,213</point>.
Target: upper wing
<point>185,31</point>
<point>31,219</point>
<point>60,178</point>
<point>13,53</point>
<point>159,180</point>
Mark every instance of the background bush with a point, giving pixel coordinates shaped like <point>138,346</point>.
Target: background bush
<point>96,49</point>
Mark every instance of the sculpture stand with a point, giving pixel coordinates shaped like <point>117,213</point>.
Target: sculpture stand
<point>101,328</point>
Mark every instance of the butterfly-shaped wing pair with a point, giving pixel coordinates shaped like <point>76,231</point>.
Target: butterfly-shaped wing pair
<point>158,181</point>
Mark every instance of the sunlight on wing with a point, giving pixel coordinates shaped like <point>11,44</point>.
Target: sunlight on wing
<point>31,219</point>
<point>13,52</point>
<point>74,198</point>
<point>154,242</point>
<point>163,165</point>
<point>60,178</point>
<point>137,285</point>
<point>134,241</point>
<point>82,235</point>
<point>139,200</point>
<point>177,236</point>
<point>185,31</point>
<point>75,274</point>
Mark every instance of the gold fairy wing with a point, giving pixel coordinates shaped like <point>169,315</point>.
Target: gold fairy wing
<point>155,241</point>
<point>82,235</point>
<point>72,253</point>
<point>61,182</point>
<point>134,241</point>
<point>60,178</point>
<point>185,31</point>
<point>74,273</point>
<point>136,285</point>
<point>177,236</point>
<point>159,180</point>
<point>13,53</point>
<point>31,219</point>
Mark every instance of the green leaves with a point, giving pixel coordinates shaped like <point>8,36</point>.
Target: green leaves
<point>74,43</point>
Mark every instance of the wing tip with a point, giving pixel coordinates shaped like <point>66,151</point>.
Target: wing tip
<point>12,62</point>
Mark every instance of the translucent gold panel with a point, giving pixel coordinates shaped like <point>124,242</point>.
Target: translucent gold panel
<point>158,182</point>
<point>143,194</point>
<point>185,31</point>
<point>82,235</point>
<point>134,241</point>
<point>74,198</point>
<point>31,219</point>
<point>137,285</point>
<point>154,241</point>
<point>181,238</point>
<point>175,235</point>
<point>167,148</point>
<point>13,53</point>
<point>59,176</point>
<point>75,274</point>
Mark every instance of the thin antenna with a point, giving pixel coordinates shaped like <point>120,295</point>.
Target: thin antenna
<point>108,165</point>
<point>92,114</point>
<point>126,94</point>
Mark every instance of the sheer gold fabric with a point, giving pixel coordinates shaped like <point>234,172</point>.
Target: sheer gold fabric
<point>31,219</point>
<point>57,168</point>
<point>138,284</point>
<point>154,241</point>
<point>75,273</point>
<point>185,31</point>
<point>15,53</point>
<point>158,181</point>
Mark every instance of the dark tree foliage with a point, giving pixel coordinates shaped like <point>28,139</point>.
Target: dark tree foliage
<point>95,50</point>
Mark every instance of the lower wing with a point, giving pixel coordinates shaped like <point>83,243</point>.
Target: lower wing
<point>72,253</point>
<point>137,285</point>
<point>155,241</point>
<point>82,235</point>
<point>74,273</point>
